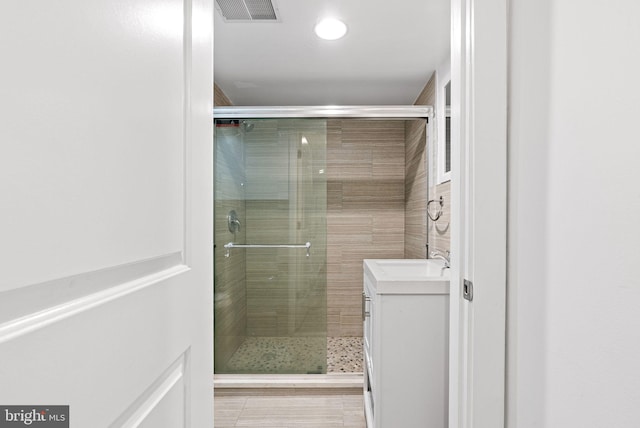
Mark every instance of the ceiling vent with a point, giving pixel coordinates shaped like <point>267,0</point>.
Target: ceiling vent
<point>247,10</point>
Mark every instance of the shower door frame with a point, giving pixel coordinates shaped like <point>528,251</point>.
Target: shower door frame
<point>384,112</point>
<point>324,112</point>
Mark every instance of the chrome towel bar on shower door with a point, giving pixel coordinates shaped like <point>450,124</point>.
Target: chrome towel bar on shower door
<point>231,245</point>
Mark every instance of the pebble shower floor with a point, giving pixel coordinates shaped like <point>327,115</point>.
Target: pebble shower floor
<point>284,355</point>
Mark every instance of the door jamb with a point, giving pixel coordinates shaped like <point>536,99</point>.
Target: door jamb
<point>478,31</point>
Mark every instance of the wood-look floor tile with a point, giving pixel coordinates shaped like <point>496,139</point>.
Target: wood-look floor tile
<point>296,411</point>
<point>228,410</point>
<point>292,411</point>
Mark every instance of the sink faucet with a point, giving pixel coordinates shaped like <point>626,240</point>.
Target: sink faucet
<point>442,255</point>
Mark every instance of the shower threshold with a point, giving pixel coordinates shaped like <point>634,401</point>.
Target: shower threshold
<point>340,382</point>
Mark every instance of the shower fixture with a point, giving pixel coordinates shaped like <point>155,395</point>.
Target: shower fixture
<point>247,126</point>
<point>233,222</point>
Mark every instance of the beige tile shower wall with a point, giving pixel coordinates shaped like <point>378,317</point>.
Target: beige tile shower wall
<point>285,290</point>
<point>220,98</point>
<point>267,269</point>
<point>415,191</point>
<point>230,297</point>
<point>267,222</point>
<point>365,210</point>
<point>286,204</point>
<point>427,96</point>
<point>416,179</point>
<point>437,233</point>
<point>230,279</point>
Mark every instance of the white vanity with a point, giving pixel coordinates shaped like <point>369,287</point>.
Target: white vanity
<point>406,330</point>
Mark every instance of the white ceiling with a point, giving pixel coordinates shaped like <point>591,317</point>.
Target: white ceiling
<point>386,58</point>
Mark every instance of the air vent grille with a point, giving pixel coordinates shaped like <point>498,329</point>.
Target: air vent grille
<point>247,10</point>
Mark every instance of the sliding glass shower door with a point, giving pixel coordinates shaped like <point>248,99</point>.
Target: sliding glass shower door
<point>270,238</point>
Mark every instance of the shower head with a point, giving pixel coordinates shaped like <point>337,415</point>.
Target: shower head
<point>248,126</point>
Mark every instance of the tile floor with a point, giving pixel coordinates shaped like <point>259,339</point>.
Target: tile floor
<point>299,408</point>
<point>308,411</point>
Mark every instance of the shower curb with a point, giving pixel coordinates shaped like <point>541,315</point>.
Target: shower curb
<point>350,383</point>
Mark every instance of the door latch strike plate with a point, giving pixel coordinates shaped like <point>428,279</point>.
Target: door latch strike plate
<point>467,290</point>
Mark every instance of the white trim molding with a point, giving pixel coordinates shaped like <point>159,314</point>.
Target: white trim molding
<point>479,207</point>
<point>443,77</point>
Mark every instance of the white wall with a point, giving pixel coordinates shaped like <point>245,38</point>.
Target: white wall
<point>574,214</point>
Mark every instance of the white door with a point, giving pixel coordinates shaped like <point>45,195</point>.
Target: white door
<point>478,243</point>
<point>106,210</point>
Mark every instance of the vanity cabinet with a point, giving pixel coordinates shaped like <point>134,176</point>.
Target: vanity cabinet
<point>406,318</point>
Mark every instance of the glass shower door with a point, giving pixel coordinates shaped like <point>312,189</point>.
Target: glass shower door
<point>270,289</point>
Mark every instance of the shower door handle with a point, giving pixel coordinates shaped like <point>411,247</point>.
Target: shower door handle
<point>231,245</point>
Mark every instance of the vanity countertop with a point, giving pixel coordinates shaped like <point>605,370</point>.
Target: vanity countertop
<point>407,276</point>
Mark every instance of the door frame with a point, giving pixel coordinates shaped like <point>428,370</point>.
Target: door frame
<point>479,208</point>
<point>479,212</point>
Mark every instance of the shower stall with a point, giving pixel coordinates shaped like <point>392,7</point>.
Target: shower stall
<point>271,235</point>
<point>270,256</point>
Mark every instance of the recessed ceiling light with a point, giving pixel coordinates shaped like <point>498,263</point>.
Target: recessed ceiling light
<point>331,29</point>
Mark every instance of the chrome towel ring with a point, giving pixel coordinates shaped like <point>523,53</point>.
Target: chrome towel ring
<point>438,213</point>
